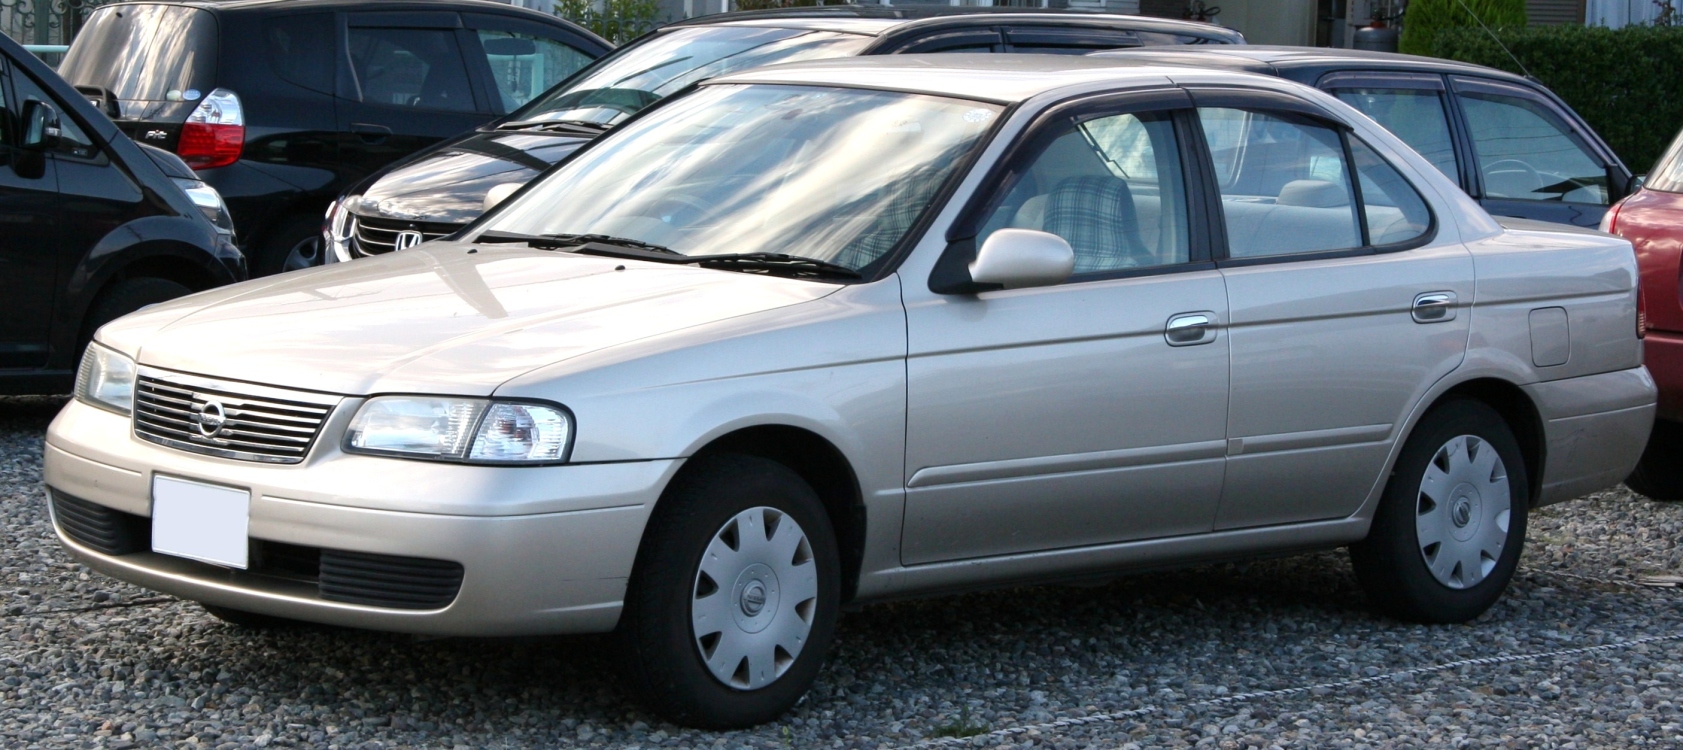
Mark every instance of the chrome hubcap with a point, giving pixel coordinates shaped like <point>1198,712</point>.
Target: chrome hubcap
<point>755,592</point>
<point>1461,519</point>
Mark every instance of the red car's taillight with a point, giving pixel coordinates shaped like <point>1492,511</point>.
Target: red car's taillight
<point>214,133</point>
<point>1641,314</point>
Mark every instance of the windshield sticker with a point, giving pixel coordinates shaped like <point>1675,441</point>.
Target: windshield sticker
<point>978,115</point>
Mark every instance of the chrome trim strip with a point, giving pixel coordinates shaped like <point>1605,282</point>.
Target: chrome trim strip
<point>1067,463</point>
<point>1291,441</point>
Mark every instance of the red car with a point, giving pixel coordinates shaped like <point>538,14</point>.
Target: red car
<point>1652,219</point>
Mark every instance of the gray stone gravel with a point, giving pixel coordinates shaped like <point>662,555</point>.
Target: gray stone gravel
<point>86,661</point>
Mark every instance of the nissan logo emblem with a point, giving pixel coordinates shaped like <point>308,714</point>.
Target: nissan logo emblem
<point>406,239</point>
<point>211,419</point>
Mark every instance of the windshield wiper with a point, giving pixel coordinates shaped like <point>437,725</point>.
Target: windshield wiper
<point>589,244</point>
<point>625,247</point>
<point>577,127</point>
<point>774,263</point>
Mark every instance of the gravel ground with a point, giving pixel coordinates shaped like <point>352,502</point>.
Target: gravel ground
<point>1165,660</point>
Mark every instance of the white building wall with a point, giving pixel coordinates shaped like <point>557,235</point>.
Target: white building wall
<point>1616,13</point>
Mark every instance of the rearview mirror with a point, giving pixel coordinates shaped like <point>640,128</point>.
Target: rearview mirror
<point>1017,258</point>
<point>510,47</point>
<point>40,126</point>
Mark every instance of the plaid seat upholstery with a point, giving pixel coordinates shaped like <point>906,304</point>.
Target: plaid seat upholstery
<point>1096,215</point>
<point>897,206</point>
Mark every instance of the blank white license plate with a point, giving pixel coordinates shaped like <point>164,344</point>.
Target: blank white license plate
<point>199,521</point>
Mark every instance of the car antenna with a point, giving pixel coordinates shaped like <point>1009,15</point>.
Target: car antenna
<point>1497,40</point>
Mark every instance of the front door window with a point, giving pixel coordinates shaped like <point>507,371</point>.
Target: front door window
<point>1526,153</point>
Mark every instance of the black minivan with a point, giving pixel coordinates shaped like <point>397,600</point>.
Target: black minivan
<point>96,227</point>
<point>282,104</point>
<point>437,191</point>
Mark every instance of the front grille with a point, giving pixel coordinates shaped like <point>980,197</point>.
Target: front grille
<point>375,236</point>
<point>99,528</point>
<point>231,420</point>
<point>388,581</point>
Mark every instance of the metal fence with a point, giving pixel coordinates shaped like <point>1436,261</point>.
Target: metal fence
<point>44,21</point>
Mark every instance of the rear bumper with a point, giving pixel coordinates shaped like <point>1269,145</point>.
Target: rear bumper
<point>542,549</point>
<point>1663,352</point>
<point>1594,428</point>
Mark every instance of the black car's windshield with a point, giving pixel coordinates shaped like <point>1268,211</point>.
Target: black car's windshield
<point>639,75</point>
<point>826,174</point>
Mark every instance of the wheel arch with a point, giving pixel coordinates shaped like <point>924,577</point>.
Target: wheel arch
<point>822,465</point>
<point>1517,410</point>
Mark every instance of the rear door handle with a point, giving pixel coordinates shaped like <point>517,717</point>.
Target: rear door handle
<point>371,133</point>
<point>1434,307</point>
<point>1190,329</point>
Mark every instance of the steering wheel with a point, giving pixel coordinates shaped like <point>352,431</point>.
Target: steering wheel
<point>1536,177</point>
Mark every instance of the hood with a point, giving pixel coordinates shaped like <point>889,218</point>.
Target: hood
<point>437,319</point>
<point>447,185</point>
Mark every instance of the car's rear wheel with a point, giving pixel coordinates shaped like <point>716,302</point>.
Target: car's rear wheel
<point>1449,530</point>
<point>1659,475</point>
<point>733,602</point>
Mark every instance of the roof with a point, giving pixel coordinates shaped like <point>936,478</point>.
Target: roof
<point>1275,60</point>
<point>822,17</point>
<point>1005,79</point>
<point>372,5</point>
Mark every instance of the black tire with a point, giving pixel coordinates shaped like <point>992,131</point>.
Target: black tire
<point>248,620</point>
<point>663,667</point>
<point>292,244</point>
<point>124,297</point>
<point>1659,475</point>
<point>1390,563</point>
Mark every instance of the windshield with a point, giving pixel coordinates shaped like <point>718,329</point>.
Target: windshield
<point>639,75</point>
<point>831,174</point>
<point>145,53</point>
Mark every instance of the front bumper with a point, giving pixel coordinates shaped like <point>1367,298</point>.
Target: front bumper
<point>542,549</point>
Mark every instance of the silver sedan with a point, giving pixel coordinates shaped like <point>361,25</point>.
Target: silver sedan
<point>839,332</point>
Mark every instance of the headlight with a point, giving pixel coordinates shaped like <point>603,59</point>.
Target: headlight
<point>336,231</point>
<point>209,203</point>
<point>106,380</point>
<point>461,429</point>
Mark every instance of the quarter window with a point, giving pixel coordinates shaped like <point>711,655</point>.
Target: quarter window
<point>1526,153</point>
<point>72,140</point>
<point>1112,187</point>
<point>1285,184</point>
<point>1394,211</point>
<point>418,68</point>
<point>525,66</point>
<point>1416,116</point>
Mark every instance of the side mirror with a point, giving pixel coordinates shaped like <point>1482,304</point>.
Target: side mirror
<point>499,193</point>
<point>40,126</point>
<point>1018,258</point>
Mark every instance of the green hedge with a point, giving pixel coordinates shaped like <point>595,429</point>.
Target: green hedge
<point>1626,83</point>
<point>1427,18</point>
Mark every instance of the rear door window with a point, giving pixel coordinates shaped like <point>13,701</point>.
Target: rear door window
<point>145,53</point>
<point>300,49</point>
<point>524,66</point>
<point>1285,185</point>
<point>411,68</point>
<point>1417,116</point>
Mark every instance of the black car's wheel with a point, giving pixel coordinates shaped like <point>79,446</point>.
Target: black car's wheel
<point>1659,474</point>
<point>1448,532</point>
<point>733,602</point>
<point>250,620</point>
<point>293,244</point>
<point>124,297</point>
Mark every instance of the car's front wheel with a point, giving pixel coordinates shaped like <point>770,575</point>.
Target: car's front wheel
<point>733,602</point>
<point>1447,535</point>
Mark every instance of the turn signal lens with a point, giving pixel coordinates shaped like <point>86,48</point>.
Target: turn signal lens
<point>1641,314</point>
<point>522,432</point>
<point>214,133</point>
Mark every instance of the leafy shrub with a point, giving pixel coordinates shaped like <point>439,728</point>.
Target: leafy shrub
<point>1425,19</point>
<point>1624,82</point>
<point>618,21</point>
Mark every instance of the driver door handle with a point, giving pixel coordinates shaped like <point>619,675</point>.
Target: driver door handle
<point>1190,329</point>
<point>371,133</point>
